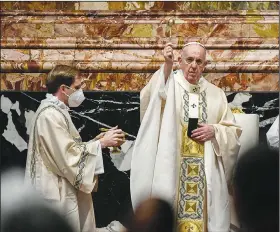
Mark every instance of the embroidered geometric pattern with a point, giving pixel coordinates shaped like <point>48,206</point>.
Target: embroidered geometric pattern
<point>191,206</point>
<point>82,162</point>
<point>186,106</point>
<point>203,108</point>
<point>191,190</point>
<point>192,170</point>
<point>81,165</point>
<point>192,176</point>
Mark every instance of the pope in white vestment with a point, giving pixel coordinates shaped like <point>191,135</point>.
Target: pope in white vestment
<point>190,173</point>
<point>61,167</point>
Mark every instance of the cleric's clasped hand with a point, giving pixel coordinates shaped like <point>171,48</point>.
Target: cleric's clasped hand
<point>203,133</point>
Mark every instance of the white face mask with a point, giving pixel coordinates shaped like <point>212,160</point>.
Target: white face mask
<point>76,98</point>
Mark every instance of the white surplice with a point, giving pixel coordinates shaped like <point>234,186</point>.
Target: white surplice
<point>154,166</point>
<point>61,167</point>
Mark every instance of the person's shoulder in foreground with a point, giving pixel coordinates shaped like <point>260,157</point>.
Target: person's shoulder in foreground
<point>256,190</point>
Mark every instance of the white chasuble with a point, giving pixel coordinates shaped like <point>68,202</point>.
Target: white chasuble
<point>167,164</point>
<point>61,167</point>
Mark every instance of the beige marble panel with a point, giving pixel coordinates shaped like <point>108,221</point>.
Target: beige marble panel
<point>19,30</point>
<point>139,66</point>
<point>27,30</point>
<point>67,30</point>
<point>138,43</point>
<point>15,54</point>
<point>134,55</point>
<point>136,81</point>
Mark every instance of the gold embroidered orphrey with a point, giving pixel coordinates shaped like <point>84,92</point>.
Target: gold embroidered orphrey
<point>191,203</point>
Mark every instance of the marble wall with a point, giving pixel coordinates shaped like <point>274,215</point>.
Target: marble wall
<point>117,46</point>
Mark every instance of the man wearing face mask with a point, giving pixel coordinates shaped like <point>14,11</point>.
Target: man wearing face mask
<point>61,167</point>
<point>187,143</point>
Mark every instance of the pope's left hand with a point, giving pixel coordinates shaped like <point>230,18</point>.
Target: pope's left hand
<point>203,133</point>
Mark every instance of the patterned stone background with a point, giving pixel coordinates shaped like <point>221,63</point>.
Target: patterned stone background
<point>117,46</point>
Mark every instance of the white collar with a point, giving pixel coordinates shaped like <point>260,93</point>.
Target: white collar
<point>50,98</point>
<point>190,87</point>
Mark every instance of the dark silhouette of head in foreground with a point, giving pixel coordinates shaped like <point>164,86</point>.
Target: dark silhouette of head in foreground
<point>151,216</point>
<point>256,190</point>
<point>23,210</point>
<point>36,218</point>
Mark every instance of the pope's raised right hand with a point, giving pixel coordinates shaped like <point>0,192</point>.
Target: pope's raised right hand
<point>168,54</point>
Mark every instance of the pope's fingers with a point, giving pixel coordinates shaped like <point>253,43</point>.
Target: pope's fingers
<point>197,130</point>
<point>193,134</point>
<point>168,51</point>
<point>200,138</point>
<point>201,124</point>
<point>168,48</point>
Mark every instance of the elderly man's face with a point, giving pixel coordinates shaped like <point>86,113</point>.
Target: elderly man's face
<point>192,62</point>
